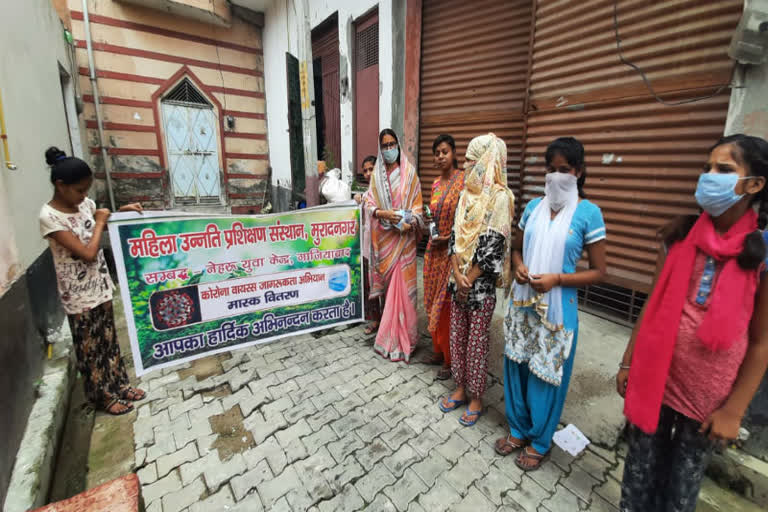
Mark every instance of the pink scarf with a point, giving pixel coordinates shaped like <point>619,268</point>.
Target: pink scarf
<point>727,317</point>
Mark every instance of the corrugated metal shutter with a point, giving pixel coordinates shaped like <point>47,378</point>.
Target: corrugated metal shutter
<point>473,70</point>
<point>643,158</point>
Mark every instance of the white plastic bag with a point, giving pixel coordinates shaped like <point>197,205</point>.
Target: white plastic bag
<point>335,190</point>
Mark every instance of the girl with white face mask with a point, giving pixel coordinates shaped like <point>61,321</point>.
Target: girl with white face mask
<point>541,324</point>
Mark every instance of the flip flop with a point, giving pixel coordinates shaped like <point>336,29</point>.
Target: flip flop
<point>504,446</point>
<point>469,423</point>
<point>443,373</point>
<point>455,404</point>
<point>535,456</point>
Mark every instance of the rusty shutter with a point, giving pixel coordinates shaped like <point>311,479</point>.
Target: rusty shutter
<point>643,158</point>
<point>473,70</point>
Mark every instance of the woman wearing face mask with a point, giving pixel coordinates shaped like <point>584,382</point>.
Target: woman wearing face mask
<point>394,208</point>
<point>480,256</point>
<point>700,349</point>
<point>541,323</point>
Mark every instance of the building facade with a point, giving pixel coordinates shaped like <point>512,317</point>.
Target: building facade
<point>38,82</point>
<point>181,88</point>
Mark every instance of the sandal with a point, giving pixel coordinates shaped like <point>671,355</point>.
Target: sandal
<point>133,394</point>
<point>536,457</point>
<point>505,446</point>
<point>469,423</point>
<point>444,373</point>
<point>372,328</point>
<point>111,407</point>
<point>453,404</point>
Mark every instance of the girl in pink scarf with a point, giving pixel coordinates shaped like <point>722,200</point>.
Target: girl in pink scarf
<point>700,348</point>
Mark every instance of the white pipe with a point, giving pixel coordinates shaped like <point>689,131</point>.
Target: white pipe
<point>97,105</point>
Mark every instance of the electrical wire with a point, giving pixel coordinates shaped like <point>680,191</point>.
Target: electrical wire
<point>218,57</point>
<point>645,78</point>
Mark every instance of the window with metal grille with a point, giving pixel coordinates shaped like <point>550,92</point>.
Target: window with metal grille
<point>187,94</point>
<point>367,47</point>
<point>614,303</point>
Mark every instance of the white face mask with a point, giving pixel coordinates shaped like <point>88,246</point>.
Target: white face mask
<point>560,188</point>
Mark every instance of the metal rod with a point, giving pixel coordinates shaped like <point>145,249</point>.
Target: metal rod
<point>4,136</point>
<point>97,106</point>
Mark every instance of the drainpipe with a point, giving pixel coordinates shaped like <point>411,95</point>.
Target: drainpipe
<point>97,106</point>
<point>4,136</point>
<point>306,79</point>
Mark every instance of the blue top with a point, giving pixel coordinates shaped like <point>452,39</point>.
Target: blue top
<point>587,227</point>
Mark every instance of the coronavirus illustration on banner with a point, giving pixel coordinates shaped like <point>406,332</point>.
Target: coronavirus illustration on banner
<point>193,286</point>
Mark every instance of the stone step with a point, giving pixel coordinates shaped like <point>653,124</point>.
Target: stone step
<point>741,473</point>
<point>714,498</point>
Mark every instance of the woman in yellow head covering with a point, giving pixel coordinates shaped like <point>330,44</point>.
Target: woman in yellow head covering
<point>480,255</point>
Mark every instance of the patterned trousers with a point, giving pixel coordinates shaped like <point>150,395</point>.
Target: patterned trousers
<point>663,471</point>
<point>98,354</point>
<point>469,345</point>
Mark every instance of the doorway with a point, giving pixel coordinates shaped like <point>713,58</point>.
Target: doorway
<point>366,87</point>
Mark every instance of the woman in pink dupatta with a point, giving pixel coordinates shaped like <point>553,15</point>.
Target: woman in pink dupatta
<point>393,206</point>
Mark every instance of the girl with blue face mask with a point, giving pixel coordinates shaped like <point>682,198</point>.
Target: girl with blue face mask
<point>700,349</point>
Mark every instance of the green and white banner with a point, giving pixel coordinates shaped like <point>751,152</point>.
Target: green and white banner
<point>194,286</point>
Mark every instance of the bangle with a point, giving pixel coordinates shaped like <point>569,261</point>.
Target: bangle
<point>623,366</point>
<point>559,279</point>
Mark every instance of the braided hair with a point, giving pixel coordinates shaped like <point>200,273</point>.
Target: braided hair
<point>752,153</point>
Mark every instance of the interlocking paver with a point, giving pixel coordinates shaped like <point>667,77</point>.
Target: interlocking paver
<point>405,490</point>
<point>243,484</point>
<point>563,499</point>
<point>160,488</point>
<point>337,428</point>
<point>341,474</point>
<point>404,457</point>
<point>374,481</point>
<point>475,501</point>
<point>527,497</point>
<point>348,499</point>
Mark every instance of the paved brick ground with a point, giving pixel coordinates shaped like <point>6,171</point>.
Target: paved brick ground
<point>335,428</point>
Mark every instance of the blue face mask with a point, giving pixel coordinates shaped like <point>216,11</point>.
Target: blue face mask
<point>390,155</point>
<point>715,193</point>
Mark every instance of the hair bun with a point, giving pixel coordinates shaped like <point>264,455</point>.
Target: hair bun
<point>52,154</point>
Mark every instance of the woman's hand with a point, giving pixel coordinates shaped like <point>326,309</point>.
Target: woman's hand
<point>440,241</point>
<point>101,215</point>
<point>405,227</point>
<point>521,274</point>
<point>358,198</point>
<point>621,382</point>
<point>133,207</point>
<point>722,425</point>
<point>542,283</point>
<point>388,215</point>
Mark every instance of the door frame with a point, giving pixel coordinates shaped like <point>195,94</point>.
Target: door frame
<point>218,112</point>
<point>358,24</point>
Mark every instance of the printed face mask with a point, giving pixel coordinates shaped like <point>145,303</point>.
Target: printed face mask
<point>389,155</point>
<point>715,193</point>
<point>560,188</point>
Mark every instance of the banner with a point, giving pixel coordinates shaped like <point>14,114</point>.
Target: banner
<point>193,286</point>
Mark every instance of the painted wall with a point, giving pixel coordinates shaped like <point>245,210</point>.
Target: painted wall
<point>34,52</point>
<point>281,36</point>
<point>140,51</point>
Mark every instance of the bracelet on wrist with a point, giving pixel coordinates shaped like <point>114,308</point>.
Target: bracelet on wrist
<point>623,366</point>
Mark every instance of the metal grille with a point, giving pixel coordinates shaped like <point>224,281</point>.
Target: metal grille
<point>367,47</point>
<point>187,94</point>
<point>613,303</point>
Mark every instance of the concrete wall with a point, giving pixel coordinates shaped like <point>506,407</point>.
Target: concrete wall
<point>281,33</point>
<point>140,53</point>
<point>34,53</point>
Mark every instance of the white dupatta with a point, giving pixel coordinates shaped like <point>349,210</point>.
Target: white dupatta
<point>538,337</point>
